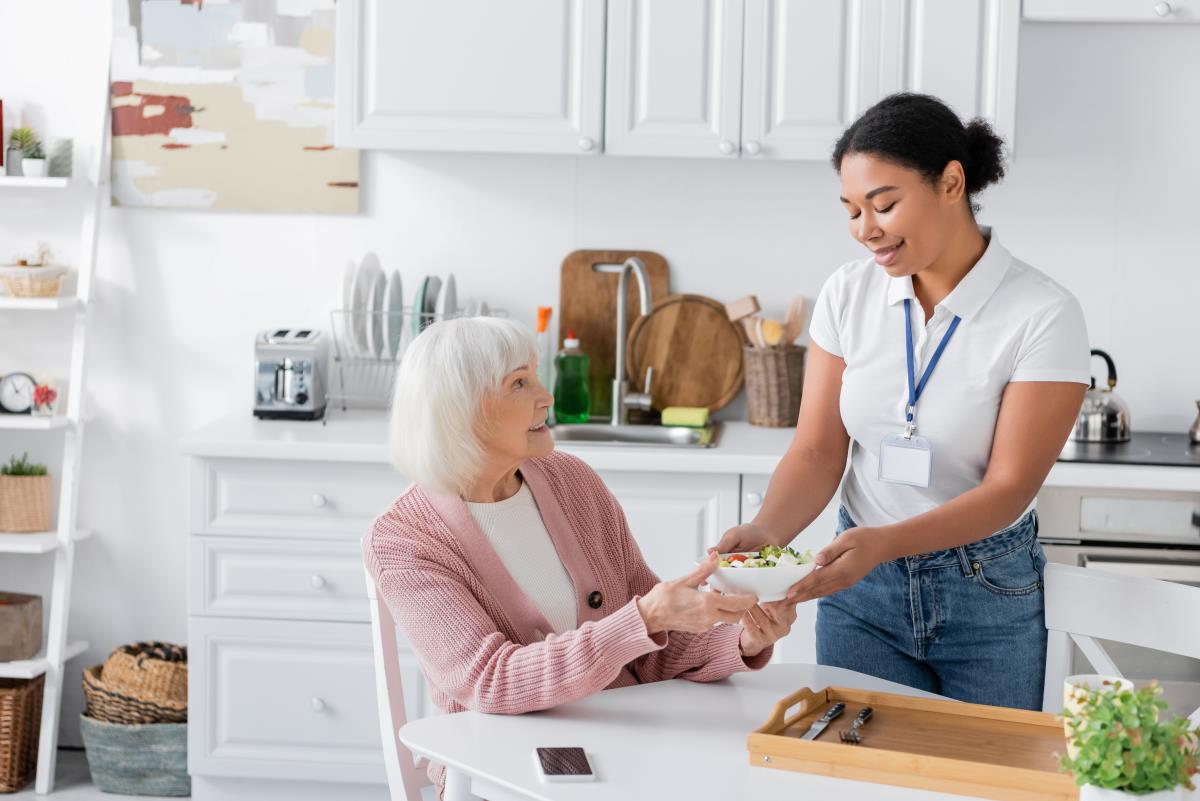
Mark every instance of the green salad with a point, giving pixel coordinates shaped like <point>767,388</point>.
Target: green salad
<point>767,556</point>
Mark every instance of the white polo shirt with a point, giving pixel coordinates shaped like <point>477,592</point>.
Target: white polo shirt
<point>1017,325</point>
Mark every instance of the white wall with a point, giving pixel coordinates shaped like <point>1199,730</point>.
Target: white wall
<point>1103,197</point>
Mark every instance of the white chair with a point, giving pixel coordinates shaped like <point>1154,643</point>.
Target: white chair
<point>1083,604</point>
<point>407,780</point>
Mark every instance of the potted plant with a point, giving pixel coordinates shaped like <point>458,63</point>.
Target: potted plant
<point>30,159</point>
<point>24,496</point>
<point>1122,749</point>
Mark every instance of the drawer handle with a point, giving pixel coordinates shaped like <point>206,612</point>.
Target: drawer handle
<point>753,498</point>
<point>317,704</point>
<point>319,501</point>
<point>317,581</point>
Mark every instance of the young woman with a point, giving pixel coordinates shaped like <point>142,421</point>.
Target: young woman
<point>953,373</point>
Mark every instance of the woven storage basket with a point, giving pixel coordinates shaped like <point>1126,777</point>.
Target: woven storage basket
<point>774,377</point>
<point>137,760</point>
<point>112,705</point>
<point>149,671</point>
<point>32,282</point>
<point>24,503</point>
<point>20,720</point>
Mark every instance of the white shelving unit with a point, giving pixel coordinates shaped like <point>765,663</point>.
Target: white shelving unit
<point>61,541</point>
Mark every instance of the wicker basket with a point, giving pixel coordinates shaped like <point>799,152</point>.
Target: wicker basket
<point>20,721</point>
<point>33,282</point>
<point>25,503</point>
<point>137,760</point>
<point>149,671</point>
<point>112,705</point>
<point>774,377</point>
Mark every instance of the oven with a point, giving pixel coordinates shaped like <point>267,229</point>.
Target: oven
<point>1135,533</point>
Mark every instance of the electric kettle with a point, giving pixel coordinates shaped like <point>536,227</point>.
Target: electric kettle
<point>1104,417</point>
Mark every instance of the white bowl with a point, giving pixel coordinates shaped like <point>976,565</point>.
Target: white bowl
<point>768,583</point>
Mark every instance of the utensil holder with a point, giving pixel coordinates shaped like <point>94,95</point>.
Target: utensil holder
<point>774,378</point>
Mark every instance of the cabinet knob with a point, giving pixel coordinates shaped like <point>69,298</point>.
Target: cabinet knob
<point>754,498</point>
<point>317,581</point>
<point>586,143</point>
<point>726,147</point>
<point>753,148</point>
<point>319,501</point>
<point>317,704</point>
<point>1162,9</point>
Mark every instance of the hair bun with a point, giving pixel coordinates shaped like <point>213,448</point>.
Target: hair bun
<point>985,155</point>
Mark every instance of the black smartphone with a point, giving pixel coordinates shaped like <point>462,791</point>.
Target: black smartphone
<point>564,765</point>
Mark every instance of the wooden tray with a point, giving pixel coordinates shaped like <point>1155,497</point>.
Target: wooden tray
<point>946,746</point>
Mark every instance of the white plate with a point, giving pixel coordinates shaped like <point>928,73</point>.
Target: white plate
<point>429,306</point>
<point>376,346</point>
<point>360,317</point>
<point>447,300</point>
<point>768,583</point>
<point>347,333</point>
<point>393,316</point>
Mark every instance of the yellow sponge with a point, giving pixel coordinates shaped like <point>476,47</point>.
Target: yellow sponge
<point>692,416</point>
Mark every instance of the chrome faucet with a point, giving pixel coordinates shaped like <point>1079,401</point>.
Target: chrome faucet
<point>622,398</point>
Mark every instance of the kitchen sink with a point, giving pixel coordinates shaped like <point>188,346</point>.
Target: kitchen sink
<point>605,434</point>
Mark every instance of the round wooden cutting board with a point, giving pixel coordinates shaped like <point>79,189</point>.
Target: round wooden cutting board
<point>696,353</point>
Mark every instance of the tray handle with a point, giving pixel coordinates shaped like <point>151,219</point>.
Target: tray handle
<point>804,696</point>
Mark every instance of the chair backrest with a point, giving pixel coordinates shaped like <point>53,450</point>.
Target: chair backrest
<point>1086,604</point>
<point>405,775</point>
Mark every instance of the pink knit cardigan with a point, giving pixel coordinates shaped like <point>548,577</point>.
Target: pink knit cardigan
<point>482,643</point>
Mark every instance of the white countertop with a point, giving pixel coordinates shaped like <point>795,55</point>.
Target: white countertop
<point>360,436</point>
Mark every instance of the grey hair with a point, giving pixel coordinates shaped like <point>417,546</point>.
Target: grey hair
<point>443,378</point>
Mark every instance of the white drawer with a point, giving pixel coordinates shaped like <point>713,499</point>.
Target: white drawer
<point>319,500</point>
<point>300,579</point>
<point>287,700</point>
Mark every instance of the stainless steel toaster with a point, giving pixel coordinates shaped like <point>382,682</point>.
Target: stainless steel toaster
<point>289,373</point>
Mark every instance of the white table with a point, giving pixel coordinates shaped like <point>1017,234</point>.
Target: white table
<point>661,741</point>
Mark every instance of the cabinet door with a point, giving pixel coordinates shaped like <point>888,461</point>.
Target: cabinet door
<point>800,646</point>
<point>809,70</point>
<point>962,51</point>
<point>1175,11</point>
<point>675,516</point>
<point>674,78</point>
<point>471,75</point>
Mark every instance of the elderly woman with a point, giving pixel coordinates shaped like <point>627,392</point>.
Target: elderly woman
<point>510,567</point>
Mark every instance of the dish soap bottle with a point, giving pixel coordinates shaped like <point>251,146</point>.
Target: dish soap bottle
<point>572,399</point>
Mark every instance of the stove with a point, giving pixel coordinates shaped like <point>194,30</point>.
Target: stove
<point>1143,448</point>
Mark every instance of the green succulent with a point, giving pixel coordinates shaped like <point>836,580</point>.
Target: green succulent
<point>22,467</point>
<point>1122,745</point>
<point>25,140</point>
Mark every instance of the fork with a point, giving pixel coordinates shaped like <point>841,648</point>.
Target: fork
<point>852,735</point>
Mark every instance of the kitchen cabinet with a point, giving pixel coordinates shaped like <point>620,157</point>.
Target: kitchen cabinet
<point>1156,11</point>
<point>471,75</point>
<point>675,517</point>
<point>674,78</point>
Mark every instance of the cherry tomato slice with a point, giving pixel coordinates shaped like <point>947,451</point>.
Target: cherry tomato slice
<point>738,557</point>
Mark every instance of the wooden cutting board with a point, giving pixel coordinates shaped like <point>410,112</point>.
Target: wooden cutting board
<point>587,302</point>
<point>696,353</point>
<point>931,744</point>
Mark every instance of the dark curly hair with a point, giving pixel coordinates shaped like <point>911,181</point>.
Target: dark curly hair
<point>922,133</point>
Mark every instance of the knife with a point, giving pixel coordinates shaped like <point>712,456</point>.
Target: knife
<point>829,716</point>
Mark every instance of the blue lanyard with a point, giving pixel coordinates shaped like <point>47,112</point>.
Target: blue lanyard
<point>915,388</point>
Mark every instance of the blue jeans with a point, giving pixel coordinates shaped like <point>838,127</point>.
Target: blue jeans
<point>967,622</point>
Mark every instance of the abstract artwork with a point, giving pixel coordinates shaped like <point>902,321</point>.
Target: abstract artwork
<point>228,105</point>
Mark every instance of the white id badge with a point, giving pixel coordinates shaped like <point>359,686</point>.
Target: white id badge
<point>905,460</point>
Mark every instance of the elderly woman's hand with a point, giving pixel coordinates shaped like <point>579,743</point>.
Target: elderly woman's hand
<point>764,624</point>
<point>679,605</point>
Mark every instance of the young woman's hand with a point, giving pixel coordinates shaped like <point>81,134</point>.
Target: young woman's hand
<point>679,605</point>
<point>746,537</point>
<point>840,564</point>
<point>764,624</point>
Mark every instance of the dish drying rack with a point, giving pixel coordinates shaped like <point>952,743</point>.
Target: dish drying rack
<point>361,379</point>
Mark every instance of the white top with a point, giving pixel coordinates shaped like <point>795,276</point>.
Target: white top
<point>1017,325</point>
<point>515,529</point>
